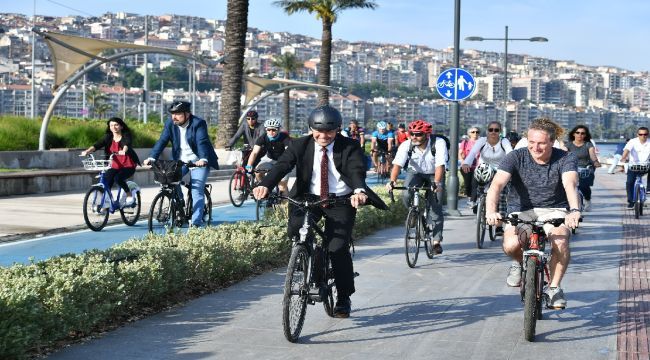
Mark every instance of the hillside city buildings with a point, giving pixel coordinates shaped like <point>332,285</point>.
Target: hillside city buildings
<point>605,98</point>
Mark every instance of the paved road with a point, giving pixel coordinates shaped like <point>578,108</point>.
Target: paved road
<point>456,306</point>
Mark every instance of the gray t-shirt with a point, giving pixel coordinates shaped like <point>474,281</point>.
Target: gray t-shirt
<point>581,152</point>
<point>535,185</point>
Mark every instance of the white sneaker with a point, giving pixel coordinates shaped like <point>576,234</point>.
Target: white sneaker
<point>130,200</point>
<point>587,205</point>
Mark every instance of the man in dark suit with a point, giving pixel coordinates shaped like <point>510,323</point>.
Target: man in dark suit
<point>190,143</point>
<point>343,160</point>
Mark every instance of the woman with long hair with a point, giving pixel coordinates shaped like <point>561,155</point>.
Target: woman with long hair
<point>580,144</point>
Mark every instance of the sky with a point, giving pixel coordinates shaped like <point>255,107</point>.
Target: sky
<point>590,32</point>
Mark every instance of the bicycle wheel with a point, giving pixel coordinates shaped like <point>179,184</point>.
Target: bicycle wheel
<point>131,213</point>
<point>238,188</point>
<point>94,216</point>
<point>161,214</point>
<point>207,208</point>
<point>428,242</point>
<point>530,299</point>
<point>480,222</point>
<point>637,203</point>
<point>412,237</point>
<point>260,205</point>
<point>328,302</point>
<point>294,302</point>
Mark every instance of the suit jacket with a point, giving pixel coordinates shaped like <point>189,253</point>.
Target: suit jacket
<point>106,141</point>
<point>196,135</point>
<point>348,159</point>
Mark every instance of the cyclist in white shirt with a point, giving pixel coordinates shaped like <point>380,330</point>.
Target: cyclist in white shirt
<point>638,151</point>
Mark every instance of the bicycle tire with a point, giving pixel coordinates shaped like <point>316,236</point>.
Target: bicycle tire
<point>412,237</point>
<point>480,222</point>
<point>637,202</point>
<point>94,216</point>
<point>428,243</point>
<point>207,208</point>
<point>260,205</point>
<point>540,292</point>
<point>236,192</point>
<point>328,302</point>
<point>530,298</point>
<point>131,213</point>
<point>161,214</point>
<point>294,300</point>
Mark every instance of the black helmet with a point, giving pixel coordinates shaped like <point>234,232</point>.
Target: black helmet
<point>512,136</point>
<point>180,107</point>
<point>325,118</point>
<point>252,114</point>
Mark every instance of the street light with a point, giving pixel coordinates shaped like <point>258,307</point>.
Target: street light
<point>505,67</point>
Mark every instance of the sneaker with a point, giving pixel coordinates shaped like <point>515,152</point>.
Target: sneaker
<point>130,200</point>
<point>343,307</point>
<point>630,205</point>
<point>555,298</point>
<point>587,205</point>
<point>437,248</point>
<point>514,276</point>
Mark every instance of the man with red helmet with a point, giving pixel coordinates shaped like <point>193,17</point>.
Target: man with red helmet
<point>424,157</point>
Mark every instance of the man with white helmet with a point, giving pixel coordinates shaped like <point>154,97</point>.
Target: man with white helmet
<point>382,141</point>
<point>270,147</point>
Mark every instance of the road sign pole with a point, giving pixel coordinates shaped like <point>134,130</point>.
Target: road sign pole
<point>452,186</point>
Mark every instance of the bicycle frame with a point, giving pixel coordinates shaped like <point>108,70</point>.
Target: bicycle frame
<point>638,185</point>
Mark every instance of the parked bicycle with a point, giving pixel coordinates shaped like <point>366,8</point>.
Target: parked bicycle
<point>168,210</point>
<point>416,223</point>
<point>310,278</point>
<point>241,183</point>
<point>99,202</point>
<point>639,194</point>
<point>383,165</point>
<point>535,273</point>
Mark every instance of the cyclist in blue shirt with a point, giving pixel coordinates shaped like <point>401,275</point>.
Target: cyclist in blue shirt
<point>382,141</point>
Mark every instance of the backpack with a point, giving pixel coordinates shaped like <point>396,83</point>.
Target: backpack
<point>432,140</point>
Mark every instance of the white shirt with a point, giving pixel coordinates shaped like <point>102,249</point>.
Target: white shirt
<point>187,155</point>
<point>336,186</point>
<point>489,154</point>
<point>422,161</point>
<point>638,152</point>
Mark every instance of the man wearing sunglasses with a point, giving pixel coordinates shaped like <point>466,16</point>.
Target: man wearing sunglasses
<point>249,128</point>
<point>638,151</point>
<point>269,148</point>
<point>424,166</point>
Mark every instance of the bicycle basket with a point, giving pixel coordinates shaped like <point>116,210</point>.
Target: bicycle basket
<point>640,167</point>
<point>167,171</point>
<point>96,165</point>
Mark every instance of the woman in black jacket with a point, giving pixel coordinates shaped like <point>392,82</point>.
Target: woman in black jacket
<point>118,141</point>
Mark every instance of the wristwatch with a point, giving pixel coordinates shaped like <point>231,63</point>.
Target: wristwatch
<point>574,210</point>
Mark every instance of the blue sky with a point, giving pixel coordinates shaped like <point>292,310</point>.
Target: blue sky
<point>591,32</point>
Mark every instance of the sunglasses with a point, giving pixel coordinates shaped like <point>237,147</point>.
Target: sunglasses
<point>473,132</point>
<point>418,134</point>
<point>579,132</point>
<point>249,119</point>
<point>493,130</point>
<point>274,130</point>
<point>644,134</point>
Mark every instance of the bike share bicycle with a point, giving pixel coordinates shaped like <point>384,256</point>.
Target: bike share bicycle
<point>99,202</point>
<point>483,175</point>
<point>310,277</point>
<point>168,210</point>
<point>639,194</point>
<point>416,223</point>
<point>535,273</point>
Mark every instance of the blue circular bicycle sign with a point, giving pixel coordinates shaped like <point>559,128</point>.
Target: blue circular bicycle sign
<point>456,84</point>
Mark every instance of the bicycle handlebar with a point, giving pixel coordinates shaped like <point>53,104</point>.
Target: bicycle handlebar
<point>308,204</point>
<point>410,188</point>
<point>515,220</point>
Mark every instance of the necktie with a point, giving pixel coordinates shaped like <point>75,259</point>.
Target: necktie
<point>324,175</point>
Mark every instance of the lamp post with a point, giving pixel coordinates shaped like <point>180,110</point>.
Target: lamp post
<point>505,39</point>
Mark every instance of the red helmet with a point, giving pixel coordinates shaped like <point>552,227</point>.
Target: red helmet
<point>420,126</point>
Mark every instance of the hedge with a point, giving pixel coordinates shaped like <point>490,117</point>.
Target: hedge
<point>70,296</point>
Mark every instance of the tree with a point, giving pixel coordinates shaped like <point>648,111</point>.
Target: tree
<point>326,11</point>
<point>233,70</point>
<point>289,65</point>
<point>95,99</point>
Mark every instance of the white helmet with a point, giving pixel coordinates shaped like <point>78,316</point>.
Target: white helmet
<point>484,173</point>
<point>381,125</point>
<point>272,123</point>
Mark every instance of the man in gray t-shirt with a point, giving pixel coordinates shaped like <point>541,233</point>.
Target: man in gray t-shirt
<point>544,186</point>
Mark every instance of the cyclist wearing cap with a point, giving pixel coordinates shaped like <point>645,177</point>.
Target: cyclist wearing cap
<point>324,150</point>
<point>270,147</point>
<point>250,129</point>
<point>426,166</point>
<point>190,143</point>
<point>382,140</point>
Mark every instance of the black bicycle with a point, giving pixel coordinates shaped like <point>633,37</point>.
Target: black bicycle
<point>416,231</point>
<point>310,278</point>
<point>535,271</point>
<point>481,224</point>
<point>168,210</point>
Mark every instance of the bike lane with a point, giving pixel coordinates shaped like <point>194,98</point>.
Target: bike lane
<point>456,306</point>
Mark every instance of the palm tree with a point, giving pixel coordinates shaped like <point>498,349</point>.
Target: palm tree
<point>289,65</point>
<point>327,11</point>
<point>95,99</point>
<point>233,70</point>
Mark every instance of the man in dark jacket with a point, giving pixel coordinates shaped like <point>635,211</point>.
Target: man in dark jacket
<point>251,129</point>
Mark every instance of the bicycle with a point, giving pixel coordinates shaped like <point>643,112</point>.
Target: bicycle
<point>383,165</point>
<point>310,277</point>
<point>168,210</point>
<point>535,268</point>
<point>481,223</point>
<point>99,195</point>
<point>639,194</point>
<point>241,183</point>
<point>416,223</point>
<point>270,202</point>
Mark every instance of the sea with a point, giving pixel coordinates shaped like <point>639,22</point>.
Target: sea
<point>606,149</point>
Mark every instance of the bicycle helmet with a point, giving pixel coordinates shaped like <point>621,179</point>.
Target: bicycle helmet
<point>381,125</point>
<point>484,173</point>
<point>180,107</point>
<point>252,114</point>
<point>325,118</point>
<point>420,126</point>
<point>272,124</point>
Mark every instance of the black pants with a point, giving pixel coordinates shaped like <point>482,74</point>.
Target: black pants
<point>119,176</point>
<point>470,191</point>
<point>339,221</point>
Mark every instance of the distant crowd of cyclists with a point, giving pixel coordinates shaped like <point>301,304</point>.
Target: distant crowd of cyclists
<point>537,176</point>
